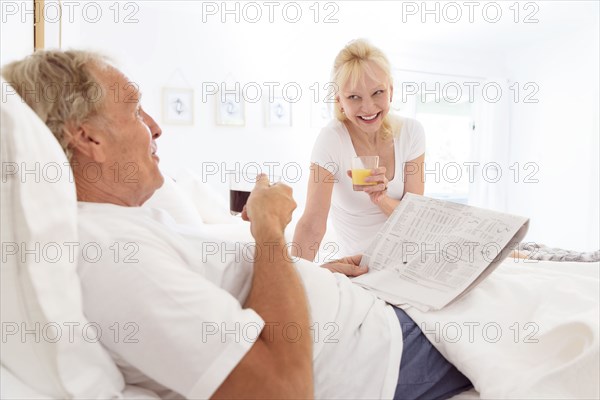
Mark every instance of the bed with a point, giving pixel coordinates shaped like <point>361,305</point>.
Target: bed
<point>43,292</point>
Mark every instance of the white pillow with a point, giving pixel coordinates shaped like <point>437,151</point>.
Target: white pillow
<point>13,388</point>
<point>189,201</point>
<point>40,290</point>
<point>213,208</point>
<point>171,198</point>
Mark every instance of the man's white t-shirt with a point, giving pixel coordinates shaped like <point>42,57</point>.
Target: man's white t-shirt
<point>354,217</point>
<point>167,300</point>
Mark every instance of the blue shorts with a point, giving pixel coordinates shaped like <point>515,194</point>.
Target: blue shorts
<point>424,372</point>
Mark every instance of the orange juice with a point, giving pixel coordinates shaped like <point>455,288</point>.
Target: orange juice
<point>358,179</point>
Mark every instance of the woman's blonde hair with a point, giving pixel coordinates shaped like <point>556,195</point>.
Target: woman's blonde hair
<point>351,63</point>
<point>59,87</point>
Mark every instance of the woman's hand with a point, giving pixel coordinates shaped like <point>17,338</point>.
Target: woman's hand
<point>379,191</point>
<point>349,266</point>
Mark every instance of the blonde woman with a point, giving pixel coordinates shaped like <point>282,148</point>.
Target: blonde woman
<point>363,127</point>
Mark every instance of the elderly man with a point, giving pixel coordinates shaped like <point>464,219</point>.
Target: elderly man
<point>212,326</point>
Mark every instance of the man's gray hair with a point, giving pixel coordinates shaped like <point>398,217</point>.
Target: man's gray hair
<point>60,87</point>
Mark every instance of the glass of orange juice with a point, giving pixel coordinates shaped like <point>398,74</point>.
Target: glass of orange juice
<point>361,168</point>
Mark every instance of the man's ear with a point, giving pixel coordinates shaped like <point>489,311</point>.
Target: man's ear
<point>85,139</point>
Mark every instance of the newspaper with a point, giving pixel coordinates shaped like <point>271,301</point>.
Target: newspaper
<point>431,252</point>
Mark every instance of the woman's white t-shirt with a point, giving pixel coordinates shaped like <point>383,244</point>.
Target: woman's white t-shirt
<point>354,217</point>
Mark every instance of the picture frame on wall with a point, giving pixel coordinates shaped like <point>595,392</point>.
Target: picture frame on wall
<point>278,112</point>
<point>230,110</point>
<point>178,106</point>
<point>320,114</point>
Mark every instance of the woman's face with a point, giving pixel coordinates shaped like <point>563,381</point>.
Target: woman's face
<point>366,104</point>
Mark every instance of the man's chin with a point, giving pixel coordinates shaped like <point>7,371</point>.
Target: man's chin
<point>161,180</point>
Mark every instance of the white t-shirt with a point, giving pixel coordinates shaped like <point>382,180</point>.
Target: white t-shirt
<point>168,300</point>
<point>354,217</point>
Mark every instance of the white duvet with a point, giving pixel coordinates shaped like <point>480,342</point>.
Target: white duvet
<point>530,330</point>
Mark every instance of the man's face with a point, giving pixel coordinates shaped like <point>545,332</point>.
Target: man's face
<point>129,146</point>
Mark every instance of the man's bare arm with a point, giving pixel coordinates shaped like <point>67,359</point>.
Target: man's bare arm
<point>279,364</point>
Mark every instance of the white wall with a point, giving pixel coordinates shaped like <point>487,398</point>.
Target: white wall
<point>560,135</point>
<point>16,30</point>
<point>170,45</point>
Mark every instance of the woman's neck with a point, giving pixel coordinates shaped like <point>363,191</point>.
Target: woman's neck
<point>360,135</point>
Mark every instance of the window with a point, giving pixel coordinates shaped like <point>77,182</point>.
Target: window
<point>447,117</point>
<point>448,128</point>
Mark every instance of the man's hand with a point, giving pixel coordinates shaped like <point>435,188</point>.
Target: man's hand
<point>349,266</point>
<point>269,208</point>
<point>274,367</point>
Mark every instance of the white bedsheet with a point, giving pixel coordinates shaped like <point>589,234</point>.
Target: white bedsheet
<point>541,337</point>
